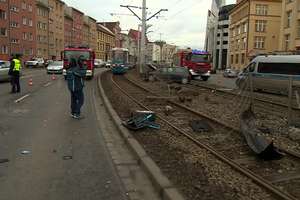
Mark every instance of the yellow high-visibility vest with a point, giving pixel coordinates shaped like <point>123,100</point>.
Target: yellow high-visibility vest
<point>17,65</point>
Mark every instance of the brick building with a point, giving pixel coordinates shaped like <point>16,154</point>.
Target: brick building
<point>68,23</point>
<point>42,28</point>
<point>116,29</point>
<point>77,27</point>
<point>85,30</point>
<point>56,28</point>
<point>93,33</point>
<point>17,27</point>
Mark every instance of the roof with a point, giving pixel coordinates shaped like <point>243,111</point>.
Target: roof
<point>104,29</point>
<point>278,58</point>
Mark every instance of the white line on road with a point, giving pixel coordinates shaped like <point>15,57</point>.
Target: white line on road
<point>47,84</point>
<point>22,98</point>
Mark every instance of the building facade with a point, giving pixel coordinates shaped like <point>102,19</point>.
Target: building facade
<point>68,26</point>
<point>17,27</point>
<point>77,36</point>
<point>4,31</point>
<point>128,43</point>
<point>105,42</point>
<point>222,37</point>
<point>254,29</point>
<point>93,33</point>
<point>42,29</point>
<point>116,29</point>
<point>56,28</point>
<point>85,31</point>
<point>290,26</point>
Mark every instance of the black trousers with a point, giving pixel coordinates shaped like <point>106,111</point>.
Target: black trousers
<point>15,84</point>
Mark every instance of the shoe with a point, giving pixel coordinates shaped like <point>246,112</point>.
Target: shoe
<point>72,115</point>
<point>77,116</point>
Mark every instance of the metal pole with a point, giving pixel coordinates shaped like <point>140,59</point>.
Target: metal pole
<point>251,88</point>
<point>290,89</point>
<point>143,42</point>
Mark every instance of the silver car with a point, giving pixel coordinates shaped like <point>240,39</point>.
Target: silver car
<point>55,67</point>
<point>4,69</point>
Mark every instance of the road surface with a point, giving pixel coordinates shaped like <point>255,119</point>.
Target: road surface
<point>51,155</point>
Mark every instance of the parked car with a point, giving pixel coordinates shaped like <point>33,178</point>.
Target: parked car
<point>35,62</point>
<point>176,74</point>
<point>108,64</point>
<point>4,69</point>
<point>55,67</point>
<point>99,63</point>
<point>230,73</point>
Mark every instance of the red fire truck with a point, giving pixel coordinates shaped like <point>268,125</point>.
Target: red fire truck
<point>75,52</point>
<point>198,62</point>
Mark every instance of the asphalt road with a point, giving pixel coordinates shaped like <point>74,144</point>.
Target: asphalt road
<point>65,159</point>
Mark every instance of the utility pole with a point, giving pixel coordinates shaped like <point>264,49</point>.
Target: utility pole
<point>144,20</point>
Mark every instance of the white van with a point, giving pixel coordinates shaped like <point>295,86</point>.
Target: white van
<point>271,73</point>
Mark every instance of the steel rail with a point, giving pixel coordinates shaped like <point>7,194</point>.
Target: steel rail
<point>259,180</point>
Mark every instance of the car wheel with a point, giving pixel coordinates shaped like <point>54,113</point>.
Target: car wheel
<point>184,80</point>
<point>204,78</point>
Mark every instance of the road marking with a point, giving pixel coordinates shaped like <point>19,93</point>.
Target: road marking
<point>47,84</point>
<point>22,98</point>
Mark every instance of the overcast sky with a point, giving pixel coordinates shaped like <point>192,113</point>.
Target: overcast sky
<point>184,24</point>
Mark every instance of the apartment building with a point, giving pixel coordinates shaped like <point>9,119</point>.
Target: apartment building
<point>92,33</point>
<point>105,42</point>
<point>254,29</point>
<point>116,29</point>
<point>85,30</point>
<point>17,28</point>
<point>68,26</point>
<point>42,28</point>
<point>56,28</point>
<point>290,26</point>
<point>4,31</point>
<point>77,36</point>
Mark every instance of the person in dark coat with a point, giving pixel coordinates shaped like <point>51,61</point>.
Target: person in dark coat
<point>75,79</point>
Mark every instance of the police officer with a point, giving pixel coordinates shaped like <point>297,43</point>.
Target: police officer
<point>14,72</point>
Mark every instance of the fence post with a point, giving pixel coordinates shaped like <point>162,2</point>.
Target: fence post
<point>290,90</point>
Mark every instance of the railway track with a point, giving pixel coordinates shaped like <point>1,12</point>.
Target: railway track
<point>281,178</point>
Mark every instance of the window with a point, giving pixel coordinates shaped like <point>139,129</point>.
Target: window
<point>243,58</point>
<point>279,68</point>
<point>30,36</point>
<point>225,42</point>
<point>243,46</point>
<point>30,22</point>
<point>261,9</point>
<point>4,49</point>
<point>260,25</point>
<point>245,28</point>
<point>287,42</point>
<point>30,8</point>
<point>24,36</point>
<point>3,32</point>
<point>14,8</point>
<point>298,29</point>
<point>24,21</point>
<point>225,34</point>
<point>231,59</point>
<point>14,41</point>
<point>259,42</point>
<point>24,6</point>
<point>2,14</point>
<point>236,58</point>
<point>14,24</point>
<point>288,19</point>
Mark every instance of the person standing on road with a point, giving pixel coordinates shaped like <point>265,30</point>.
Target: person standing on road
<point>15,72</point>
<point>75,79</point>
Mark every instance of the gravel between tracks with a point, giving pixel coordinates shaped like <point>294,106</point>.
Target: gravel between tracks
<point>228,108</point>
<point>197,173</point>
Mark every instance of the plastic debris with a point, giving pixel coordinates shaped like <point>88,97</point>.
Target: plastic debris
<point>141,119</point>
<point>256,141</point>
<point>200,126</point>
<point>25,152</point>
<point>67,157</point>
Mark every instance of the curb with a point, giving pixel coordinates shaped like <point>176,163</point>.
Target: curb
<point>161,183</point>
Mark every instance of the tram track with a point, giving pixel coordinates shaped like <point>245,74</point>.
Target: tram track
<point>240,159</point>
